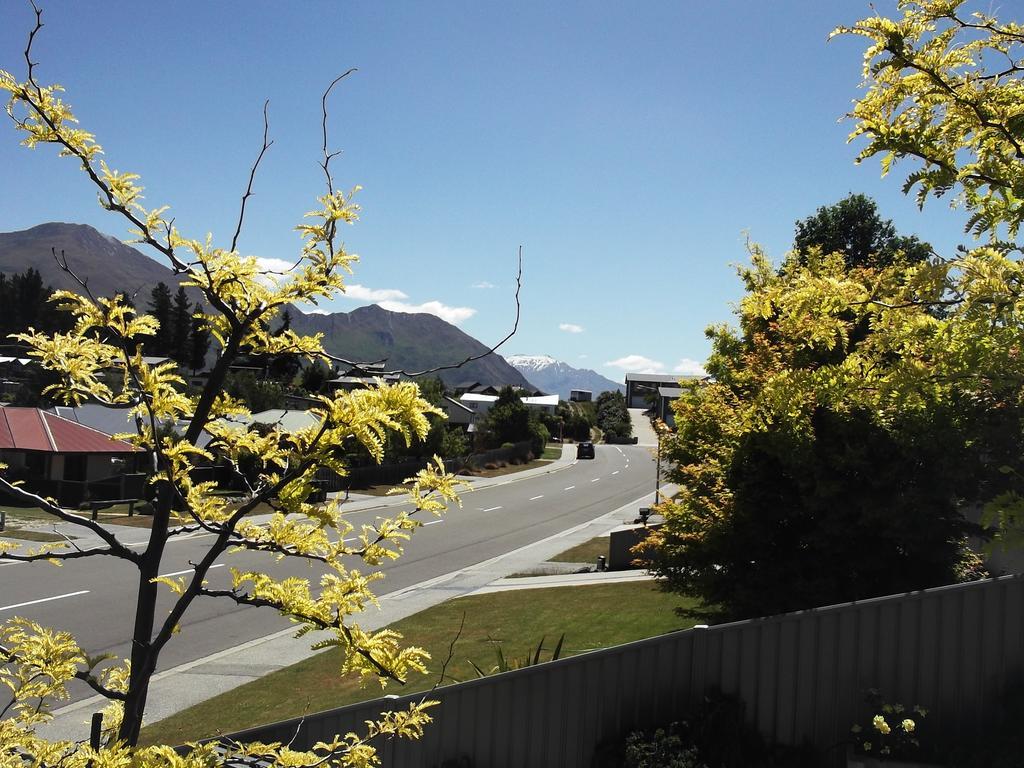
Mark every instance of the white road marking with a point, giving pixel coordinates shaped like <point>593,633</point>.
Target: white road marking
<point>569,488</point>
<point>186,537</point>
<point>190,570</point>
<point>44,600</point>
<point>490,509</point>
<point>537,497</point>
<point>433,522</point>
<point>615,472</point>
<point>595,479</point>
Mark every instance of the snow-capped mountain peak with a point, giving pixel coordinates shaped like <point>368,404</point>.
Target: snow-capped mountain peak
<point>531,362</point>
<point>553,376</point>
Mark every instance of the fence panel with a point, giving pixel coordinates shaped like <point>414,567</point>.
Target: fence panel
<point>801,676</point>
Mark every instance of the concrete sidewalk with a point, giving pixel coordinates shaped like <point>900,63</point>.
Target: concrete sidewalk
<point>181,687</point>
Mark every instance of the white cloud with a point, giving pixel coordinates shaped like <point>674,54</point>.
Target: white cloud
<point>688,367</point>
<point>453,315</point>
<point>637,364</point>
<point>570,327</point>
<point>272,267</point>
<point>362,293</point>
<point>483,284</point>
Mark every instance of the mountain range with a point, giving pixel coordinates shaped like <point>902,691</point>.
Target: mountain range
<point>560,378</point>
<point>407,341</point>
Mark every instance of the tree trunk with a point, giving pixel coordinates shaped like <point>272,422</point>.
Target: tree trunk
<point>143,655</point>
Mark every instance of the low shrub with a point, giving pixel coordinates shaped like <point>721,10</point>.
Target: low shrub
<point>715,735</point>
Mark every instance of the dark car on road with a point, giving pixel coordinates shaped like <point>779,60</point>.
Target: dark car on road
<point>585,451</point>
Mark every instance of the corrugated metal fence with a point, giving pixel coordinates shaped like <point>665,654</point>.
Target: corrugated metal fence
<point>801,676</point>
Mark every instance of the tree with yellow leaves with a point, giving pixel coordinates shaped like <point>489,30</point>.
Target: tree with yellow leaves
<point>37,663</point>
<point>864,403</point>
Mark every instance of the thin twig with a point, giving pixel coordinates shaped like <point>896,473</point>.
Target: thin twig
<point>451,366</point>
<point>451,653</point>
<point>252,175</point>
<point>328,156</point>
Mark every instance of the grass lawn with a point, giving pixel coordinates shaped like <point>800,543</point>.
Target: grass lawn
<point>587,552</point>
<point>24,514</point>
<point>29,535</point>
<point>552,451</point>
<point>591,617</point>
<point>510,469</point>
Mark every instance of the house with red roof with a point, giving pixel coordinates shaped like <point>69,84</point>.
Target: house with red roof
<point>64,459</point>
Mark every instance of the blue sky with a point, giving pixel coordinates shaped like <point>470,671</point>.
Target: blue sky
<point>630,148</point>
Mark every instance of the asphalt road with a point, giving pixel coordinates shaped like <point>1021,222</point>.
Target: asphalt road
<point>93,598</point>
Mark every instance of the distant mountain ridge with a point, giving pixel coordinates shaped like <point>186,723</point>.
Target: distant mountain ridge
<point>556,377</point>
<point>411,342</point>
<point>108,264</point>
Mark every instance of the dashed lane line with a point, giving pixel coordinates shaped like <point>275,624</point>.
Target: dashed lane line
<point>44,600</point>
<point>432,522</point>
<point>569,488</point>
<point>534,498</point>
<point>190,570</point>
<point>615,472</point>
<point>490,509</point>
<point>595,479</point>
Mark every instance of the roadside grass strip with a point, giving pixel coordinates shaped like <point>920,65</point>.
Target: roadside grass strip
<point>591,617</point>
<point>587,552</point>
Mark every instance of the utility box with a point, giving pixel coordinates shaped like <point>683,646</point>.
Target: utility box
<point>622,540</point>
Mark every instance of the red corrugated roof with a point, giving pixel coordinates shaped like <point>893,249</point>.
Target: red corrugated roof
<point>31,429</point>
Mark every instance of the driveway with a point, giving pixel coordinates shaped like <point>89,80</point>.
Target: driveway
<point>642,428</point>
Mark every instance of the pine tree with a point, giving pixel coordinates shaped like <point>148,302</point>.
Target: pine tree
<point>160,308</point>
<point>199,344</point>
<point>181,327</point>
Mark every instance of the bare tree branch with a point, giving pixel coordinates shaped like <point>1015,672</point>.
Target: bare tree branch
<point>471,358</point>
<point>252,176</point>
<point>46,556</point>
<point>95,684</point>
<point>117,549</point>
<point>327,157</point>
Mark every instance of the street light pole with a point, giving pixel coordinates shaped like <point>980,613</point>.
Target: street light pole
<point>657,471</point>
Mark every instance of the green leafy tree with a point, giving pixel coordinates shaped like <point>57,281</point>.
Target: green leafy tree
<point>508,420</point>
<point>38,663</point>
<point>613,416</point>
<point>314,377</point>
<point>578,419</point>
<point>853,228</point>
<point>257,394</point>
<point>286,367</point>
<point>454,443</point>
